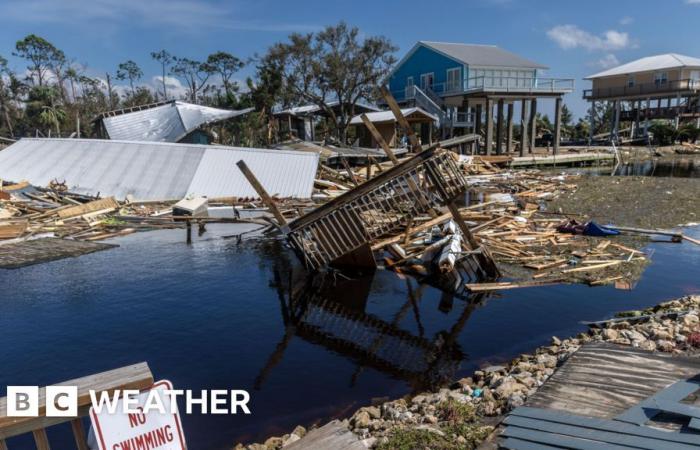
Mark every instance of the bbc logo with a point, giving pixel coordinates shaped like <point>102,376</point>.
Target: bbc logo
<point>60,401</point>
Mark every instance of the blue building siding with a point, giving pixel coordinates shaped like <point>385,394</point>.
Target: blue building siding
<point>423,60</point>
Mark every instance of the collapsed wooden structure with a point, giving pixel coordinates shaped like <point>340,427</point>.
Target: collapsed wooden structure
<point>383,205</point>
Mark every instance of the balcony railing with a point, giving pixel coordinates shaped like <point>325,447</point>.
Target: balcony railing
<point>643,89</point>
<point>495,84</point>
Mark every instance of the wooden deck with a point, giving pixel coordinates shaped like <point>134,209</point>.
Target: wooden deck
<point>603,380</point>
<point>334,435</point>
<point>563,159</point>
<point>27,253</point>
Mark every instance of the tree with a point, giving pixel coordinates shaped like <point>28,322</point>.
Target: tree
<point>194,73</point>
<point>41,54</point>
<point>225,65</point>
<point>165,59</point>
<point>333,65</point>
<point>129,70</point>
<point>72,75</point>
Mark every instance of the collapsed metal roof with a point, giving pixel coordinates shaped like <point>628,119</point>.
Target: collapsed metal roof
<point>155,170</point>
<point>167,122</point>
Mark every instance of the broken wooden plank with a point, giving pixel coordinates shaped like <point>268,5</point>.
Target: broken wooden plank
<point>96,205</point>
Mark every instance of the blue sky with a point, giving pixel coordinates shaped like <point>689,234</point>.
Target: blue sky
<point>574,39</point>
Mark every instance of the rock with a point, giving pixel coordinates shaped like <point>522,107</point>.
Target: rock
<point>429,418</point>
<point>369,442</point>
<point>690,320</point>
<point>547,360</point>
<point>489,408</point>
<point>610,334</point>
<point>273,443</point>
<point>257,447</point>
<point>299,431</point>
<point>418,399</point>
<point>361,419</point>
<point>461,440</point>
<point>665,346</point>
<point>515,401</point>
<point>648,345</point>
<point>662,334</point>
<point>633,335</point>
<point>373,412</point>
<point>508,387</point>
<point>556,341</point>
<point>290,440</point>
<point>459,397</point>
<point>494,369</point>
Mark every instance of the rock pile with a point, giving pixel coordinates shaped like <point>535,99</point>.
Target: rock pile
<point>672,327</point>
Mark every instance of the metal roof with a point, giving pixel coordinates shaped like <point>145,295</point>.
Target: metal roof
<point>388,116</point>
<point>482,55</point>
<point>649,63</point>
<point>283,173</point>
<point>164,123</point>
<point>155,170</point>
<point>310,109</point>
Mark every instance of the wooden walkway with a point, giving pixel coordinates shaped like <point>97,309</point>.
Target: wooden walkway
<point>21,254</point>
<point>334,435</point>
<point>603,380</point>
<point>562,159</point>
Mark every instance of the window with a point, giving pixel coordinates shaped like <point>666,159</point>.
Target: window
<point>630,81</point>
<point>426,81</point>
<point>409,81</point>
<point>453,79</point>
<point>660,77</point>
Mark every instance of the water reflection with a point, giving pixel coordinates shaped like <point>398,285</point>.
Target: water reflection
<point>330,311</point>
<point>672,167</point>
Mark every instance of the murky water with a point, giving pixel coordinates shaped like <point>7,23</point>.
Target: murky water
<point>226,313</point>
<point>674,167</point>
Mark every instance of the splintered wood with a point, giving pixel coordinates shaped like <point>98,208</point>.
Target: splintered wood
<point>507,220</point>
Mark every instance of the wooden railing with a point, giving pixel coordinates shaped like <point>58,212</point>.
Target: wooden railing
<point>643,89</point>
<point>137,377</point>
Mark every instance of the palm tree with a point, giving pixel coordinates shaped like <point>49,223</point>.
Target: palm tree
<point>52,116</point>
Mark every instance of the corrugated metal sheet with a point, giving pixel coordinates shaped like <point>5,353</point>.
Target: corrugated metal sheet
<point>156,171</point>
<point>282,173</point>
<point>165,123</point>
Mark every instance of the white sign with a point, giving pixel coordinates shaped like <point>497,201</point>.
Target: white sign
<point>147,429</point>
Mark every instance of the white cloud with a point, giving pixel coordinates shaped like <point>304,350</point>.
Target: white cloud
<point>693,2</point>
<point>175,88</point>
<point>185,15</point>
<point>628,20</point>
<point>607,61</point>
<point>571,37</point>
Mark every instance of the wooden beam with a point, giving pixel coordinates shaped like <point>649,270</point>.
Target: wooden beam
<point>403,123</point>
<point>524,141</point>
<point>499,127</point>
<point>557,124</point>
<point>533,124</point>
<point>41,439</point>
<point>79,434</point>
<point>509,128</point>
<point>264,196</point>
<point>489,125</point>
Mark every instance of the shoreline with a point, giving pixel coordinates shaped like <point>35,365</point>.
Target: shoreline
<point>464,414</point>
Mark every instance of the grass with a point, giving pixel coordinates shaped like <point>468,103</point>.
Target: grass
<point>456,419</point>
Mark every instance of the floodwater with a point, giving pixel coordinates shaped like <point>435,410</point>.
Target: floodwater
<point>672,167</point>
<point>229,313</point>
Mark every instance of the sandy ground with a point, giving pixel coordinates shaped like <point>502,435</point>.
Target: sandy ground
<point>647,202</point>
